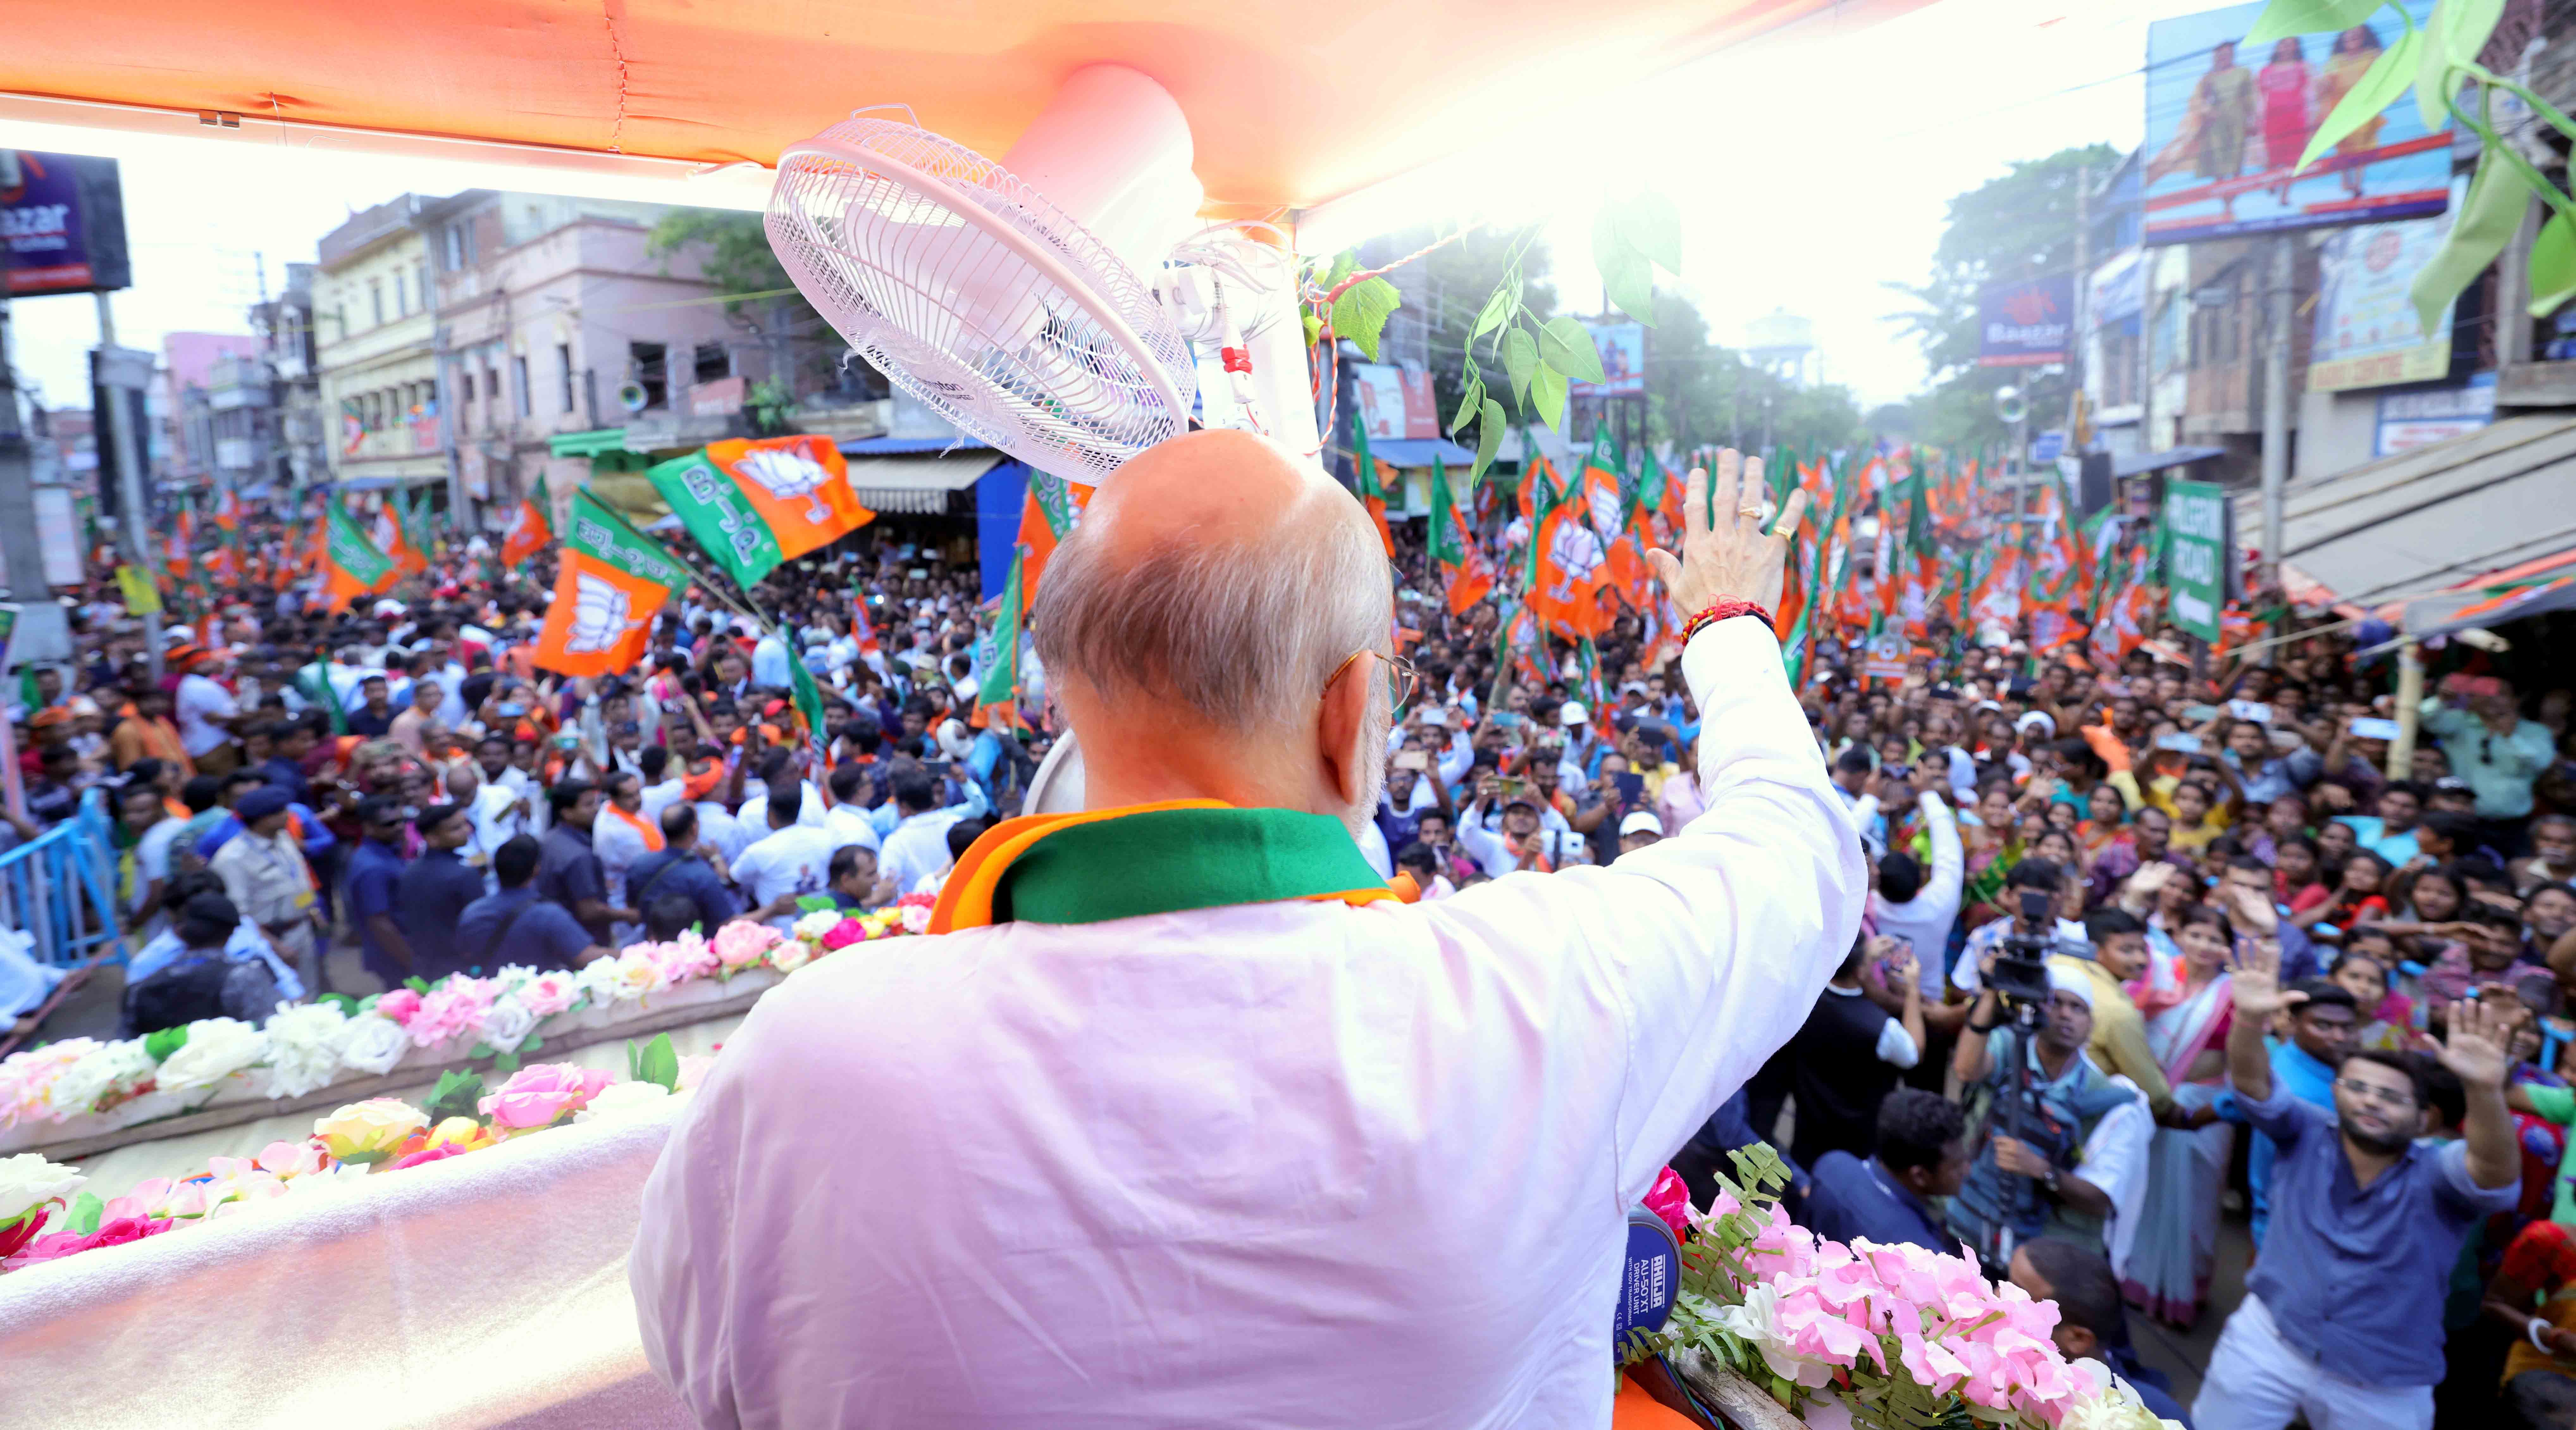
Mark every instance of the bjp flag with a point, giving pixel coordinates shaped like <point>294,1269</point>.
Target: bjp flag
<point>610,582</point>
<point>531,526</point>
<point>1047,516</point>
<point>799,485</point>
<point>352,565</point>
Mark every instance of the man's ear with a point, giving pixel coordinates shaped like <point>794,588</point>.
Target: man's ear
<point>1341,728</point>
<point>2078,1342</point>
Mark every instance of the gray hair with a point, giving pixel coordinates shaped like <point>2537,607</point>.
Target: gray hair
<point>1240,633</point>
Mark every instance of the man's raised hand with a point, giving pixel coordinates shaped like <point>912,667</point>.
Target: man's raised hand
<point>1726,555</point>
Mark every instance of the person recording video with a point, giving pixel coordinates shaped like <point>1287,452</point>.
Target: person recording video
<point>2061,1146</point>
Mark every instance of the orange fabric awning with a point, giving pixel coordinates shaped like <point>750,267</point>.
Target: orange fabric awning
<point>1290,104</point>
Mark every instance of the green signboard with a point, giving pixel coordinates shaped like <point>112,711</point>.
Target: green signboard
<point>2196,555</point>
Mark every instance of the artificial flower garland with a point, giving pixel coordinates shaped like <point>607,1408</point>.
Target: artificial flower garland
<point>303,1048</point>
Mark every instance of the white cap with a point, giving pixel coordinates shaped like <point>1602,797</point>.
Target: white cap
<point>1641,822</point>
<point>2063,979</point>
<point>2036,717</point>
<point>1572,713</point>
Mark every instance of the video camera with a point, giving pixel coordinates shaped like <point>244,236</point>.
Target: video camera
<point>2020,975</point>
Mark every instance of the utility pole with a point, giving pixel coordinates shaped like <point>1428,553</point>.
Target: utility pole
<point>40,621</point>
<point>122,440</point>
<point>2276,405</point>
<point>2082,326</point>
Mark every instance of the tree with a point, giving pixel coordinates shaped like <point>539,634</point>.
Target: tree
<point>2015,228</point>
<point>733,253</point>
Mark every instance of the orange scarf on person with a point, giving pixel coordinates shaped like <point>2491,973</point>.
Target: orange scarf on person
<point>645,827</point>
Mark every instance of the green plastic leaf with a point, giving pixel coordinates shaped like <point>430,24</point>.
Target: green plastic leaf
<point>416,984</point>
<point>2457,30</point>
<point>349,1007</point>
<point>2386,79</point>
<point>165,1042</point>
<point>459,1094</point>
<point>1520,361</point>
<point>533,1044</point>
<point>1630,281</point>
<point>1314,328</point>
<point>1547,397</point>
<point>1498,308</point>
<point>2485,223</point>
<point>815,904</point>
<point>1652,226</point>
<point>1489,440</point>
<point>505,1063</point>
<point>1565,345</point>
<point>82,1216</point>
<point>2284,18</point>
<point>2553,266</point>
<point>1361,312</point>
<point>658,1063</point>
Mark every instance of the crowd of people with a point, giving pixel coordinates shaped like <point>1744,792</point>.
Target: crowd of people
<point>2146,945</point>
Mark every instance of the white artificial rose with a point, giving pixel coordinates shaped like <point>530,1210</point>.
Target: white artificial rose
<point>620,1099</point>
<point>788,955</point>
<point>305,1041</point>
<point>28,1181</point>
<point>636,975</point>
<point>511,976</point>
<point>109,1072</point>
<point>814,925</point>
<point>599,981</point>
<point>507,1024</point>
<point>216,1049</point>
<point>374,1044</point>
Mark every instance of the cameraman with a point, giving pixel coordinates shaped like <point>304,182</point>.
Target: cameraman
<point>2029,921</point>
<point>2040,1114</point>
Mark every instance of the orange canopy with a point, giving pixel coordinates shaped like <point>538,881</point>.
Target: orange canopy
<point>1291,104</point>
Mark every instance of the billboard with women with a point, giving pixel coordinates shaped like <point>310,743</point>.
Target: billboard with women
<point>2225,130</point>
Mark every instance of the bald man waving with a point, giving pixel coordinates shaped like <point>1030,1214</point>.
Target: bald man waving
<point>1183,1118</point>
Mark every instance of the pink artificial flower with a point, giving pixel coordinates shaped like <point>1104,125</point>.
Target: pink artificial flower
<point>15,1236</point>
<point>115,1232</point>
<point>541,1094</point>
<point>401,1005</point>
<point>1669,1198</point>
<point>739,945</point>
<point>455,1007</point>
<point>548,993</point>
<point>292,1159</point>
<point>148,1199</point>
<point>694,1069</point>
<point>845,933</point>
<point>685,958</point>
<point>916,910</point>
<point>439,1153</point>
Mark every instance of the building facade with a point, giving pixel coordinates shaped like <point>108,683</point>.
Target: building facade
<point>376,351</point>
<point>554,316</point>
<point>298,457</point>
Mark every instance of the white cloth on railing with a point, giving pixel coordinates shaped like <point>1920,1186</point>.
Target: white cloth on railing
<point>484,1290</point>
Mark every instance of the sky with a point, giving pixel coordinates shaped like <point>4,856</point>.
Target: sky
<point>1808,177</point>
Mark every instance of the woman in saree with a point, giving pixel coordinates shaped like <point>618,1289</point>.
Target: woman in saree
<point>2164,1254</point>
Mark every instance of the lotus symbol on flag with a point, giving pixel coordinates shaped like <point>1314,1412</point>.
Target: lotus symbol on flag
<point>1604,504</point>
<point>1576,551</point>
<point>787,475</point>
<point>599,617</point>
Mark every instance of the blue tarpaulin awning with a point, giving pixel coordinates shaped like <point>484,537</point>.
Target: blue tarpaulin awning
<point>1418,451</point>
<point>2144,462</point>
<point>909,446</point>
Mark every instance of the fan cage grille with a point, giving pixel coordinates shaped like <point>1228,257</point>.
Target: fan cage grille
<point>866,221</point>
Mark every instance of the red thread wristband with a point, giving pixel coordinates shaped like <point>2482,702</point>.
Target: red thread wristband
<point>1717,611</point>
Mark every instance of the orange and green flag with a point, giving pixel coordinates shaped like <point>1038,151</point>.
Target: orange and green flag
<point>608,585</point>
<point>755,504</point>
<point>352,565</point>
<point>1372,493</point>
<point>1048,515</point>
<point>997,653</point>
<point>1567,572</point>
<point>1454,551</point>
<point>531,526</point>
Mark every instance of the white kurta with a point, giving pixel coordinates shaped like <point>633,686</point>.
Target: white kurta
<point>1297,1164</point>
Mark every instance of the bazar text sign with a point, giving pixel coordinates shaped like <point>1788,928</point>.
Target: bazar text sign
<point>62,226</point>
<point>2026,324</point>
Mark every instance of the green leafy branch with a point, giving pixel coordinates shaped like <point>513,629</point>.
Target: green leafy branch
<point>2437,62</point>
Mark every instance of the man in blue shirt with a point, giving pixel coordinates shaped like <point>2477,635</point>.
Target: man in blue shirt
<point>2390,833</point>
<point>2342,1318</point>
<point>681,867</point>
<point>375,868</point>
<point>1887,1197</point>
<point>434,892</point>
<point>2321,1032</point>
<point>515,926</point>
